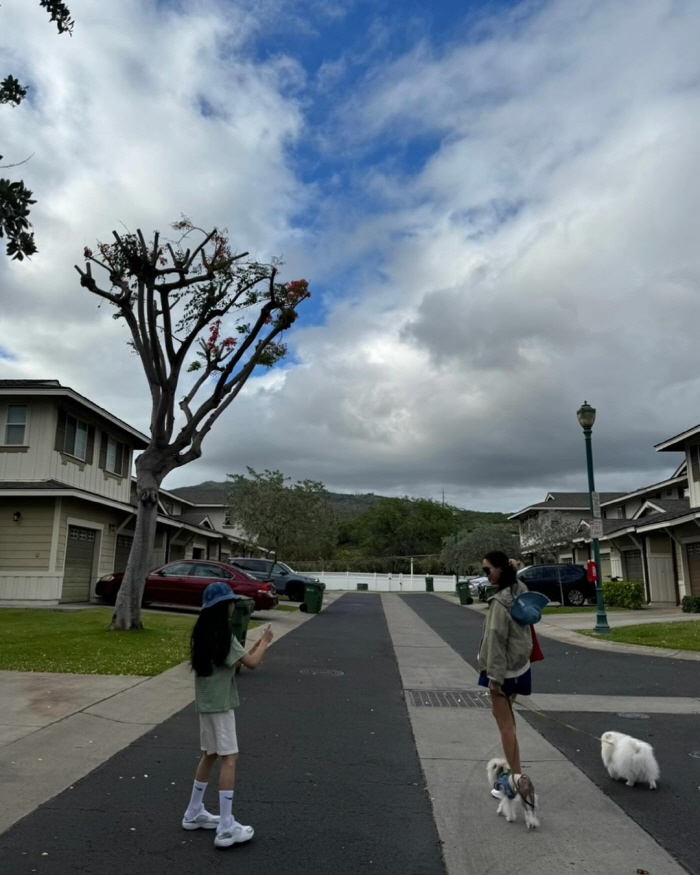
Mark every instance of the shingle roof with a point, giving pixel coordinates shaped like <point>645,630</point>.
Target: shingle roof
<point>670,504</point>
<point>657,518</point>
<point>26,384</point>
<point>194,518</point>
<point>567,501</point>
<point>206,493</point>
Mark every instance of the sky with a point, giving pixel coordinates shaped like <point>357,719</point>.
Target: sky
<point>495,205</point>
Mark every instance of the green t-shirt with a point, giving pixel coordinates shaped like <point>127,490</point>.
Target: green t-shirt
<point>218,691</point>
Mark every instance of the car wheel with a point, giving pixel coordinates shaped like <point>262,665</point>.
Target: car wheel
<point>295,592</point>
<point>574,598</point>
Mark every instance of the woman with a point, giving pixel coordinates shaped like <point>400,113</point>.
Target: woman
<point>504,656</point>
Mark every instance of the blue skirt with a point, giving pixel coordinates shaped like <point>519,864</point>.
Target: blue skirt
<point>520,686</point>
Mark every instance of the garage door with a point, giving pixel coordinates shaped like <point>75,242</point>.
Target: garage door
<point>77,577</point>
<point>605,566</point>
<point>694,568</point>
<point>633,565</point>
<point>121,555</point>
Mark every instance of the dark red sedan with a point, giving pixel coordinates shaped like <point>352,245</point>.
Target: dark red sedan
<point>183,582</point>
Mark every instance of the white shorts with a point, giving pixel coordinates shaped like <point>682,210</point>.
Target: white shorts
<point>217,733</point>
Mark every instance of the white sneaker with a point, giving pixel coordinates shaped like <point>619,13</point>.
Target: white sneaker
<point>203,820</point>
<point>235,834</point>
<point>495,793</point>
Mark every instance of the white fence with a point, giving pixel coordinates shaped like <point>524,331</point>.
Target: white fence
<point>348,580</point>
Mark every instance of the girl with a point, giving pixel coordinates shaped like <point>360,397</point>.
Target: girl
<point>504,658</point>
<point>214,654</point>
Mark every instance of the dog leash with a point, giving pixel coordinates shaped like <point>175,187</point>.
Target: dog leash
<point>539,713</point>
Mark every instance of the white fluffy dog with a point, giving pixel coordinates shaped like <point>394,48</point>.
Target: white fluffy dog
<point>525,795</point>
<point>629,759</point>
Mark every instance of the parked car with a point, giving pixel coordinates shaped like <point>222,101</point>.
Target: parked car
<point>576,587</point>
<point>476,586</point>
<point>286,581</point>
<point>184,581</point>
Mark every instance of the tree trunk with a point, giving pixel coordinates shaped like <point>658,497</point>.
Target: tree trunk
<point>127,610</point>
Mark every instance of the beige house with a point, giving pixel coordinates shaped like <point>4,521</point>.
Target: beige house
<point>67,497</point>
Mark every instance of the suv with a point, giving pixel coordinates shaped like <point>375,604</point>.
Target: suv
<point>576,587</point>
<point>287,581</point>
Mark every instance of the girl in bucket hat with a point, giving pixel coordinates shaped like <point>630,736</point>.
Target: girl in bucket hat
<point>214,654</point>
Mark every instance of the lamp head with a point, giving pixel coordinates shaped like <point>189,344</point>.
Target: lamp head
<point>586,415</point>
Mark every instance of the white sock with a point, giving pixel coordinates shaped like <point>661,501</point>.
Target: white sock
<point>225,806</point>
<point>195,805</point>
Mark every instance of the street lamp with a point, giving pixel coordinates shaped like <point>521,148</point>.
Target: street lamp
<point>586,418</point>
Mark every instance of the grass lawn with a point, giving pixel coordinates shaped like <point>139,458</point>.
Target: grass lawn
<point>285,607</point>
<point>676,636</point>
<point>77,642</point>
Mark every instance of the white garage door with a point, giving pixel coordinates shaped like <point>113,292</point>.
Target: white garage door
<point>77,576</point>
<point>634,569</point>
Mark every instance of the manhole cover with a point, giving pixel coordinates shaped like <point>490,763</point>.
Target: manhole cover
<point>330,672</point>
<point>695,754</point>
<point>632,716</point>
<point>448,698</point>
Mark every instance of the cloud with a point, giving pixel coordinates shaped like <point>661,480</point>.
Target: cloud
<point>500,224</point>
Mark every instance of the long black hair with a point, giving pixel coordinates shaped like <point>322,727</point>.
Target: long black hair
<point>509,576</point>
<point>210,641</point>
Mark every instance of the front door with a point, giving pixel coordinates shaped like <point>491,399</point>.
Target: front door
<point>693,551</point>
<point>77,575</point>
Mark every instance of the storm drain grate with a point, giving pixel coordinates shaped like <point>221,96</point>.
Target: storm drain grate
<point>448,698</point>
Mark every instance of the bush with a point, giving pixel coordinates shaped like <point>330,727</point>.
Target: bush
<point>623,594</point>
<point>690,604</point>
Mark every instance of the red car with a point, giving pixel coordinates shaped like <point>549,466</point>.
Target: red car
<point>183,582</point>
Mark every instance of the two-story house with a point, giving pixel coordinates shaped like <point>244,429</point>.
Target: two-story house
<point>67,497</point>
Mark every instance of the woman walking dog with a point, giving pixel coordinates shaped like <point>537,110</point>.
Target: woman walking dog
<point>504,663</point>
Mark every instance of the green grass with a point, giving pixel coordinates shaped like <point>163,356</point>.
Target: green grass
<point>676,636</point>
<point>282,607</point>
<point>77,642</point>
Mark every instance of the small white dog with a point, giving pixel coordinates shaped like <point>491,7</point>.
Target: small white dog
<point>524,794</point>
<point>629,759</point>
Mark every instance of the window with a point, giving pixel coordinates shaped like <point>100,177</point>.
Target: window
<point>16,425</point>
<point>202,569</point>
<point>76,438</point>
<point>177,569</point>
<point>227,518</point>
<point>114,455</point>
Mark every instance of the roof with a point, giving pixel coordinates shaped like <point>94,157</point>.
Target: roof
<point>51,388</point>
<point>660,519</point>
<point>197,518</point>
<point>33,484</point>
<point>677,443</point>
<point>564,501</point>
<point>676,480</point>
<point>667,505</point>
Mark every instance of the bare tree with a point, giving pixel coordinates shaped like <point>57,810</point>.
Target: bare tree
<point>547,533</point>
<point>467,551</point>
<point>175,297</point>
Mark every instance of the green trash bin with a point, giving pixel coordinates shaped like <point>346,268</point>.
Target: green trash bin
<point>464,593</point>
<point>313,597</point>
<point>429,584</point>
<point>243,608</point>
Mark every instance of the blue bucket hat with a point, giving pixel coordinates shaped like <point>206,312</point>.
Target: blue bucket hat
<point>526,608</point>
<point>217,592</point>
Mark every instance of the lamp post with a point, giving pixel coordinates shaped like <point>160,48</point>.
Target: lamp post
<point>586,418</point>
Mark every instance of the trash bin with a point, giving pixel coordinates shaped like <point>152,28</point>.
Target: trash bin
<point>362,587</point>
<point>313,597</point>
<point>464,593</point>
<point>243,608</point>
<point>429,584</point>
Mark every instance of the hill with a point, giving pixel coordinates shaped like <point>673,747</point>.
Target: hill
<point>345,504</point>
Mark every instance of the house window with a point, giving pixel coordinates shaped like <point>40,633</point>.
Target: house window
<point>76,439</point>
<point>114,455</point>
<point>227,518</point>
<point>621,514</point>
<point>16,425</point>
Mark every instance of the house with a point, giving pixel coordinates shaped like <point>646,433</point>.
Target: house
<point>67,497</point>
<point>573,506</point>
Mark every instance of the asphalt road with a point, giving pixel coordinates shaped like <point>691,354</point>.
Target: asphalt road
<point>566,667</point>
<point>328,775</point>
<point>670,813</point>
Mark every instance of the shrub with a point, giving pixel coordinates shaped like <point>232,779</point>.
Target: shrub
<point>623,594</point>
<point>690,604</point>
